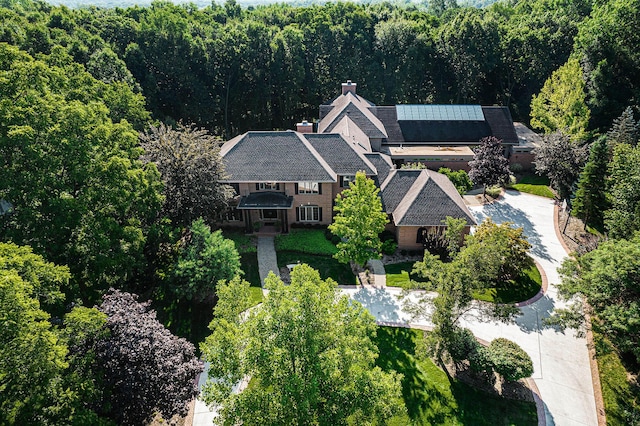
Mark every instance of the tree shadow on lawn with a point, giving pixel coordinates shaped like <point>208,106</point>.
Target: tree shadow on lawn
<point>501,212</point>
<point>434,398</point>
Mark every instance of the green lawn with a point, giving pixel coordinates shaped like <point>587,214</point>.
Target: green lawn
<point>310,241</point>
<point>534,184</point>
<point>249,264</point>
<point>621,398</point>
<point>529,284</point>
<point>398,275</point>
<point>326,265</point>
<point>432,398</point>
<point>244,243</point>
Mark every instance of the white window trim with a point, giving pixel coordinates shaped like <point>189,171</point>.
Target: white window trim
<point>315,187</point>
<point>267,186</point>
<point>346,179</point>
<point>306,211</point>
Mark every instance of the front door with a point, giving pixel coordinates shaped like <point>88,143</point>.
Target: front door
<point>269,216</point>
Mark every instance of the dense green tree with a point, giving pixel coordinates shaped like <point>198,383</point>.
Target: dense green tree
<point>622,219</point>
<point>509,360</point>
<point>591,199</point>
<point>470,46</point>
<point>191,169</point>
<point>496,254</point>
<point>205,258</point>
<point>307,352</point>
<point>79,191</point>
<point>560,159</point>
<point>358,221</point>
<point>607,278</point>
<point>32,356</point>
<point>607,45</point>
<point>459,178</point>
<point>561,105</point>
<point>489,165</point>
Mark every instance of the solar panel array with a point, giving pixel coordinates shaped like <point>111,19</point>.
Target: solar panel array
<point>439,113</point>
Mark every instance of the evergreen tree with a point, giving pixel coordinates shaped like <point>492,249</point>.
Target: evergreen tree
<point>489,165</point>
<point>591,200</point>
<point>625,129</point>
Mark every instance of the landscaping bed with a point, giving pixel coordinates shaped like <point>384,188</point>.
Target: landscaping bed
<point>433,397</point>
<point>527,286</point>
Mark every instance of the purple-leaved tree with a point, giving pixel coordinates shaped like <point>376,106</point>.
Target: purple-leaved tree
<point>146,369</point>
<point>489,165</point>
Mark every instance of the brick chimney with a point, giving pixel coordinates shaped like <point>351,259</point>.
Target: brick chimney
<point>349,87</point>
<point>304,127</point>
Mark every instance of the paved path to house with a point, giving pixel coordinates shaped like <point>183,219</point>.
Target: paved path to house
<point>267,260</point>
<point>562,371</point>
<point>379,276</point>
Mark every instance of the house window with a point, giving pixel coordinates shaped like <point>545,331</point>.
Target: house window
<point>233,215</point>
<point>309,214</point>
<point>267,186</point>
<point>345,180</point>
<point>308,188</point>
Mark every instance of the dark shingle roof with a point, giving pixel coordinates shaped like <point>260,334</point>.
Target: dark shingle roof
<point>339,154</point>
<point>383,165</point>
<point>358,110</point>
<point>395,187</point>
<point>274,157</point>
<point>431,198</point>
<point>501,124</point>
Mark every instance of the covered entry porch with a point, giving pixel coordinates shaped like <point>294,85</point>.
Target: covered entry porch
<point>266,211</point>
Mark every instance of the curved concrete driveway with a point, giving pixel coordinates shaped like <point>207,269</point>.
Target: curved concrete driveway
<point>562,371</point>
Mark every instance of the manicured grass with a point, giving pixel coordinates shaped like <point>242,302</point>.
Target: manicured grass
<point>621,398</point>
<point>527,286</point>
<point>524,288</point>
<point>534,184</point>
<point>399,275</point>
<point>244,243</point>
<point>433,398</point>
<point>310,241</point>
<point>326,265</point>
<point>249,264</point>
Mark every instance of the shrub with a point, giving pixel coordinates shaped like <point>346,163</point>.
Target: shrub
<point>389,247</point>
<point>459,178</point>
<point>386,236</point>
<point>463,345</point>
<point>480,362</point>
<point>516,168</point>
<point>509,360</point>
<point>403,252</point>
<point>494,191</point>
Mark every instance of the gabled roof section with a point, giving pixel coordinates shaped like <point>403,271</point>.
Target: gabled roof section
<point>395,187</point>
<point>430,199</point>
<point>341,155</point>
<point>383,165</point>
<point>352,133</point>
<point>357,109</point>
<point>501,124</point>
<point>274,157</point>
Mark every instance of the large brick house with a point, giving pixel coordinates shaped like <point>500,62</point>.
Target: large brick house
<point>285,178</point>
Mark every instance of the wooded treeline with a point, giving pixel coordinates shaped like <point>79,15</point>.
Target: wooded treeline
<point>231,69</point>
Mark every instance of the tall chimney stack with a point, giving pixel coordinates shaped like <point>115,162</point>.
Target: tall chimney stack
<point>349,87</point>
<point>304,127</point>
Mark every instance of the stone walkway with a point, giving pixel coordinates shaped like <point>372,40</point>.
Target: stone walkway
<point>379,275</point>
<point>267,259</point>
